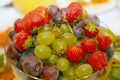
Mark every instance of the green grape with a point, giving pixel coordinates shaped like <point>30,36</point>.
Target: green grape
<point>60,46</point>
<point>42,51</point>
<point>57,31</point>
<point>69,73</point>
<point>64,78</point>
<point>64,28</point>
<point>83,70</point>
<point>45,38</point>
<point>85,14</point>
<point>108,32</point>
<point>62,64</point>
<point>69,38</point>
<point>53,59</point>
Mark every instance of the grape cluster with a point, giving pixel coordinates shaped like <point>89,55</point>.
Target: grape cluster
<point>46,58</point>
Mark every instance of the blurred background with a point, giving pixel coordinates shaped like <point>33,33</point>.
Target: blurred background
<point>107,10</point>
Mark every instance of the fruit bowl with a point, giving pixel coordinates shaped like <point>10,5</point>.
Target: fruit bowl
<point>59,44</point>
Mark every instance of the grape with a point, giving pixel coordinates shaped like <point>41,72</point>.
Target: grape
<point>69,38</point>
<point>85,14</point>
<point>69,73</point>
<point>46,38</point>
<point>32,65</point>
<point>60,46</point>
<point>53,10</point>
<point>81,23</point>
<point>63,12</point>
<point>64,28</point>
<point>58,19</point>
<point>57,31</point>
<point>46,27</point>
<point>11,34</point>
<point>42,51</point>
<point>79,32</point>
<point>62,64</point>
<point>83,70</point>
<point>53,59</point>
<point>12,52</point>
<point>50,73</point>
<point>94,19</point>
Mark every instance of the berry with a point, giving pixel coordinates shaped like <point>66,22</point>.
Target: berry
<point>18,25</point>
<point>73,11</point>
<point>32,20</point>
<point>90,30</point>
<point>50,73</point>
<point>74,53</point>
<point>104,41</point>
<point>97,60</point>
<point>22,40</point>
<point>88,45</point>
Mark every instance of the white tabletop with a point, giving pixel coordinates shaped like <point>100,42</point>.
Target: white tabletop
<point>111,18</point>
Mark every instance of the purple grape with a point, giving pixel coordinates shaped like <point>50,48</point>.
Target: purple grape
<point>53,10</point>
<point>81,23</point>
<point>12,52</point>
<point>50,73</point>
<point>32,65</point>
<point>11,34</point>
<point>94,19</point>
<point>58,19</point>
<point>63,12</point>
<point>79,32</point>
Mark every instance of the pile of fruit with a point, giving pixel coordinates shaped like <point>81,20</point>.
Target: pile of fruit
<point>65,44</point>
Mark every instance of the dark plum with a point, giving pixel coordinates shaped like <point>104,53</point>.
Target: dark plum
<point>94,19</point>
<point>12,52</point>
<point>50,73</point>
<point>32,65</point>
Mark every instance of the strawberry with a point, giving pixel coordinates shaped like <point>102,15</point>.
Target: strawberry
<point>88,45</point>
<point>90,30</point>
<point>74,53</point>
<point>44,12</point>
<point>18,25</point>
<point>22,40</point>
<point>104,41</point>
<point>36,18</point>
<point>97,60</point>
<point>74,10</point>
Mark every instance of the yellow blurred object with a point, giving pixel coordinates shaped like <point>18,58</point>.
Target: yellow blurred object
<point>24,6</point>
<point>99,1</point>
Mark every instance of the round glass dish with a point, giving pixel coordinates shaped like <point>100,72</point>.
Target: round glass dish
<point>94,76</point>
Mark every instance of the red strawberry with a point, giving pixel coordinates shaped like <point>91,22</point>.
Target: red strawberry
<point>104,41</point>
<point>22,40</point>
<point>90,30</point>
<point>44,12</point>
<point>32,20</point>
<point>73,11</point>
<point>36,18</point>
<point>18,25</point>
<point>74,53</point>
<point>88,45</point>
<point>74,4</point>
<point>97,60</point>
